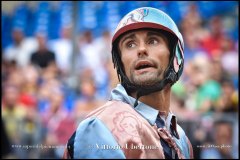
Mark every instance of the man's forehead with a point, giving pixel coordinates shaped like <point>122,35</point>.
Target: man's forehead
<point>146,31</point>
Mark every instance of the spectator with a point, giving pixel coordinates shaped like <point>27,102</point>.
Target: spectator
<point>91,57</point>
<point>207,91</point>
<point>212,43</point>
<point>87,100</point>
<point>63,48</point>
<point>42,57</point>
<point>222,148</point>
<point>55,120</point>
<point>21,49</point>
<point>13,114</point>
<point>228,102</point>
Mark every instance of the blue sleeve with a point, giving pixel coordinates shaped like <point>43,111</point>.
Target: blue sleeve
<point>183,143</point>
<point>94,140</point>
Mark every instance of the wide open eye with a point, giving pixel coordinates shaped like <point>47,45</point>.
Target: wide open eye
<point>153,41</point>
<point>130,44</point>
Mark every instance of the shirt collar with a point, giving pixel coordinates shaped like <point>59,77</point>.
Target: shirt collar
<point>171,123</point>
<point>149,113</point>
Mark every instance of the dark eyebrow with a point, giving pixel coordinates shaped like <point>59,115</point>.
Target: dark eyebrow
<point>155,33</point>
<point>158,34</point>
<point>131,36</point>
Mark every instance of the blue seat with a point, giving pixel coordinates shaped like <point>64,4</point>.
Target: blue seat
<point>173,10</point>
<point>162,5</point>
<point>108,16</point>
<point>6,30</point>
<point>87,16</point>
<point>54,24</point>
<point>20,17</point>
<point>65,10</point>
<point>206,9</point>
<point>42,17</point>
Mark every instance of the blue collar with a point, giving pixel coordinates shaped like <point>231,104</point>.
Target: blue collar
<point>149,113</point>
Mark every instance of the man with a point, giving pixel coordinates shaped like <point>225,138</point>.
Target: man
<point>21,49</point>
<point>147,51</point>
<point>43,57</point>
<point>222,146</point>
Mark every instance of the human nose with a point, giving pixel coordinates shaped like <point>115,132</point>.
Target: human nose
<point>142,50</point>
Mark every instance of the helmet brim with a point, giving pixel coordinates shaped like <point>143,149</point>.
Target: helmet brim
<point>140,25</point>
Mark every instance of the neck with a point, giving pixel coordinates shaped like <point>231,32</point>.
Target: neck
<point>158,100</point>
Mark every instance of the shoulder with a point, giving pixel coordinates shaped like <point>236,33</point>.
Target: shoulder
<point>118,116</point>
<point>112,108</point>
<point>114,113</point>
<point>93,139</point>
<point>111,126</point>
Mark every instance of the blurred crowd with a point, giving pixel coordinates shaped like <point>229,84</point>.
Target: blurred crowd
<point>47,88</point>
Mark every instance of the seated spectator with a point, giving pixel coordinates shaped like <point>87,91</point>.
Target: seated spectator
<point>222,148</point>
<point>57,123</point>
<point>43,56</point>
<point>87,101</point>
<point>63,49</point>
<point>228,102</point>
<point>212,43</point>
<point>21,49</point>
<point>13,114</point>
<point>207,91</point>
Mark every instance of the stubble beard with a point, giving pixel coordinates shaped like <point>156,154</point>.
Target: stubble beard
<point>146,79</point>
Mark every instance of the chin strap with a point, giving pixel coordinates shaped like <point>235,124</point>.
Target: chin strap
<point>170,79</point>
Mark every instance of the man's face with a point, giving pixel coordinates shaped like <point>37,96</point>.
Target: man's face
<point>145,56</point>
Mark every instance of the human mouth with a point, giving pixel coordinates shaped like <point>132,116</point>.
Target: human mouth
<point>143,66</point>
